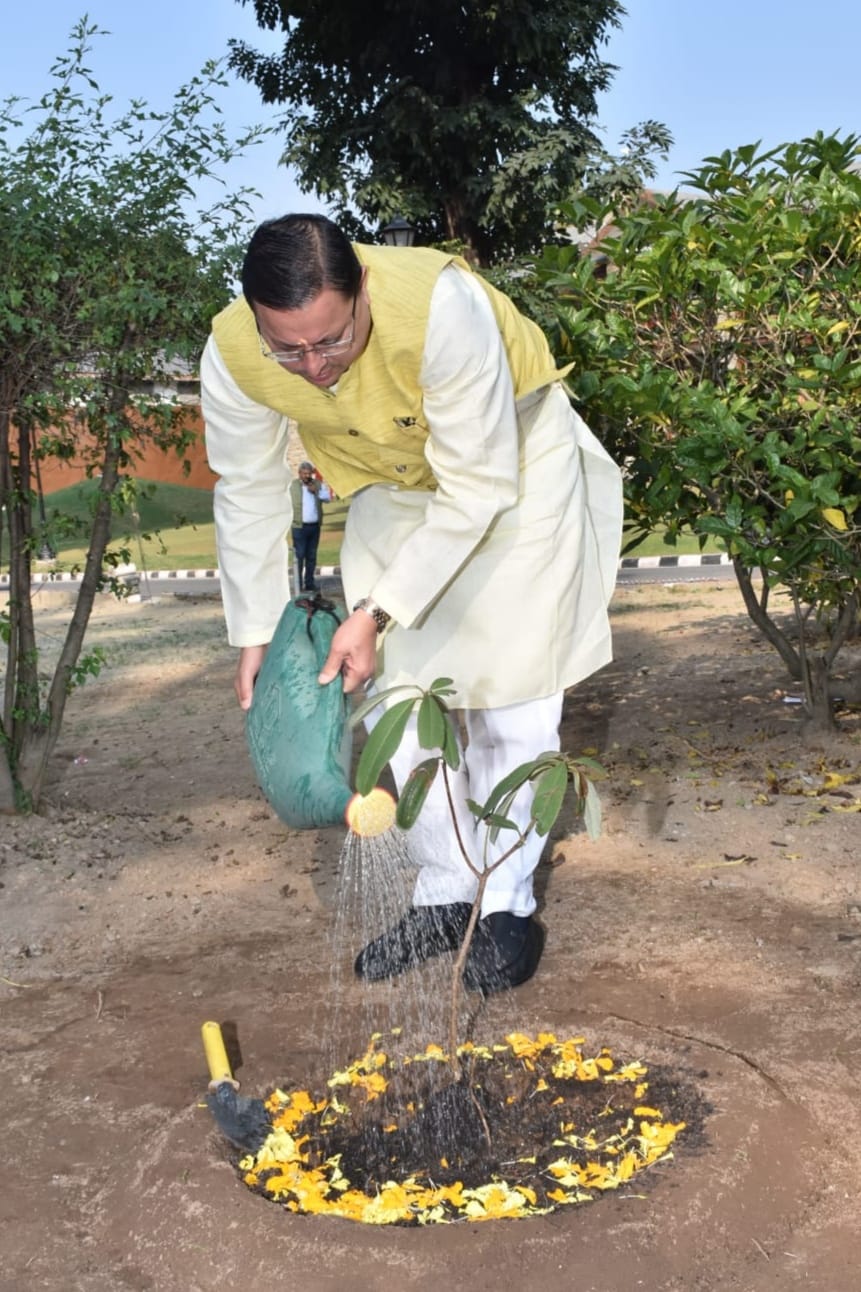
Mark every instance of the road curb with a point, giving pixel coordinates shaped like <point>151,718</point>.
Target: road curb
<point>673,562</point>
<point>334,571</point>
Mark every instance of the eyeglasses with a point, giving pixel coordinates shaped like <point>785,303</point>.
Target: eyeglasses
<point>298,354</point>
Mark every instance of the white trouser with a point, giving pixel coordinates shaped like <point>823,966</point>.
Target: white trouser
<point>498,741</point>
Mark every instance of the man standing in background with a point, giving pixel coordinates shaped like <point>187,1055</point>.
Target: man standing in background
<point>307,495</point>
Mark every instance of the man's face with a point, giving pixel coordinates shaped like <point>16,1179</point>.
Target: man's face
<point>305,474</point>
<point>330,319</point>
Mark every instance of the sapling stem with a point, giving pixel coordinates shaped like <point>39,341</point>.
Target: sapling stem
<point>482,876</point>
<point>548,774</point>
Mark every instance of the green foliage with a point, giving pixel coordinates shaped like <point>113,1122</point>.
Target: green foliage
<point>381,744</point>
<point>720,358</point>
<point>549,773</point>
<point>110,272</point>
<point>111,277</point>
<point>89,665</point>
<point>434,730</point>
<point>412,797</point>
<point>474,120</point>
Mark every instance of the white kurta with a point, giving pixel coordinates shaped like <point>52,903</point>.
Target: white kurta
<point>499,579</point>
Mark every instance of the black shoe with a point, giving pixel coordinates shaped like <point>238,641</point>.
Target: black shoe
<point>504,952</point>
<point>423,932</point>
<point>310,587</point>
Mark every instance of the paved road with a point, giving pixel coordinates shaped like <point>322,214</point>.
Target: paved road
<point>675,569</point>
<point>196,583</point>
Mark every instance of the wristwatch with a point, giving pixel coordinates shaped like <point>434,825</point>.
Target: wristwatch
<point>376,612</point>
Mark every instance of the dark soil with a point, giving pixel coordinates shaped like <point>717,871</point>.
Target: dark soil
<point>502,1125</point>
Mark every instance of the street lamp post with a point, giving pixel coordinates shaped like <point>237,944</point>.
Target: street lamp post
<point>398,233</point>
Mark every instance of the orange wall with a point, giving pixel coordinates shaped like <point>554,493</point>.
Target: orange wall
<point>154,464</point>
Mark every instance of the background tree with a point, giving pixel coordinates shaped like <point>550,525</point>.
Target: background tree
<point>720,358</point>
<point>474,120</point>
<point>110,278</point>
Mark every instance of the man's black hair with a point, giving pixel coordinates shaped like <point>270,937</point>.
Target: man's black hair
<point>290,260</point>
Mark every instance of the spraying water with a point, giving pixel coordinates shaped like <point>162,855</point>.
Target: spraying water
<point>376,879</point>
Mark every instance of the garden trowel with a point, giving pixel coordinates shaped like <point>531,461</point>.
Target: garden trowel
<point>244,1121</point>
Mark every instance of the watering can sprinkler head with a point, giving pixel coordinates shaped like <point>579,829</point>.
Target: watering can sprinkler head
<point>368,815</point>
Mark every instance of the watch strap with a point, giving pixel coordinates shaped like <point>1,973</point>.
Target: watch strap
<point>377,613</point>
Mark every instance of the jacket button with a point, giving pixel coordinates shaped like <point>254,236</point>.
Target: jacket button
<point>400,469</point>
<point>352,432</point>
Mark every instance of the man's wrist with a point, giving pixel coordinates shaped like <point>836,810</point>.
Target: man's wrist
<point>377,613</point>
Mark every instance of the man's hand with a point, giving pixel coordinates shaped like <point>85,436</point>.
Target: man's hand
<point>250,661</point>
<point>353,652</point>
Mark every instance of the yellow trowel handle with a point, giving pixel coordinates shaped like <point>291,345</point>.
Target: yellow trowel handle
<point>216,1056</point>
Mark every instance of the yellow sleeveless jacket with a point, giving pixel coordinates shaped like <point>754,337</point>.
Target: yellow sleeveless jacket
<point>372,429</point>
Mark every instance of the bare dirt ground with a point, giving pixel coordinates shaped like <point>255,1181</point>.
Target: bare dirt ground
<point>715,928</point>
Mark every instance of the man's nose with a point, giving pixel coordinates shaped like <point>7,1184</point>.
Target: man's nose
<point>313,361</point>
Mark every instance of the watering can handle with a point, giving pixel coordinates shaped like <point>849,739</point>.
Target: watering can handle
<point>216,1056</point>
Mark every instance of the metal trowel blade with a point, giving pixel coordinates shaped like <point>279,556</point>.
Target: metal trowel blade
<point>245,1122</point>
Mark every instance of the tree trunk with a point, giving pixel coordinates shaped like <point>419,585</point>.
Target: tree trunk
<point>21,690</point>
<point>37,735</point>
<point>40,737</point>
<point>816,665</point>
<point>811,667</point>
<point>757,609</point>
<point>818,708</point>
<point>6,504</point>
<point>23,654</point>
<point>8,803</point>
<point>32,763</point>
<point>460,228</point>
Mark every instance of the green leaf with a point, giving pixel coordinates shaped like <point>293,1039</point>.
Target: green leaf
<point>381,744</point>
<point>508,786</point>
<point>549,796</point>
<point>495,822</point>
<point>593,767</point>
<point>431,724</point>
<point>450,751</point>
<point>415,791</point>
<point>370,703</point>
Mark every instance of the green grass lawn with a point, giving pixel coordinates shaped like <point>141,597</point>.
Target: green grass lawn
<point>687,545</point>
<point>175,530</point>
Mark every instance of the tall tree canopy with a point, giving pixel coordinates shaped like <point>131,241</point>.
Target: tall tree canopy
<point>474,119</point>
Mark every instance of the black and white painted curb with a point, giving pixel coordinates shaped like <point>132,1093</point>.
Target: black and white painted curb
<point>163,576</point>
<point>686,562</point>
<point>168,580</point>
